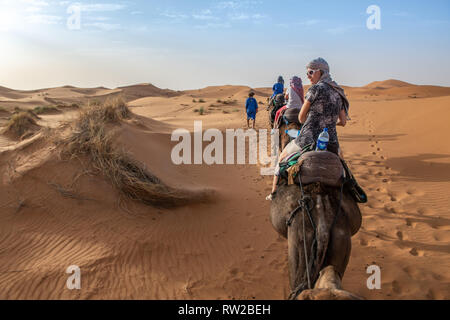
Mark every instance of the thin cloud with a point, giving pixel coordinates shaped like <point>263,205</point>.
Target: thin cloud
<point>174,15</point>
<point>43,19</point>
<point>213,26</point>
<point>244,16</point>
<point>103,26</point>
<point>95,7</point>
<point>228,5</point>
<point>205,15</point>
<point>238,4</point>
<point>35,3</point>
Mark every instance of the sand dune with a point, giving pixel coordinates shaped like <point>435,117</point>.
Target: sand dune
<point>56,213</point>
<point>67,95</point>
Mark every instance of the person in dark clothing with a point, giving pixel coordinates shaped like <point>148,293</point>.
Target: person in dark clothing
<point>278,88</point>
<point>251,107</point>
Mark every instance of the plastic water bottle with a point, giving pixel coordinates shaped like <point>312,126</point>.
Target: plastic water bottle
<point>322,141</point>
<point>293,133</point>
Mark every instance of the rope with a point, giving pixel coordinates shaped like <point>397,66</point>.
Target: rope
<point>304,205</point>
<point>306,255</point>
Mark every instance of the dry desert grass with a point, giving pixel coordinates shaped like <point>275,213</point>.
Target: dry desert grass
<point>93,137</point>
<point>20,124</point>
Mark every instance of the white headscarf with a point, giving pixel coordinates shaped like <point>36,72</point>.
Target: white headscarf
<point>321,64</point>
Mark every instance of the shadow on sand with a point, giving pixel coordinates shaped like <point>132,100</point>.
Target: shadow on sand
<point>419,168</point>
<point>369,137</point>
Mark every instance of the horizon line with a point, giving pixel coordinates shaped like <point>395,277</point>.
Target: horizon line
<point>213,85</point>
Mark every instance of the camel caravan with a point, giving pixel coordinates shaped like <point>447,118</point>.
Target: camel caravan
<point>314,198</point>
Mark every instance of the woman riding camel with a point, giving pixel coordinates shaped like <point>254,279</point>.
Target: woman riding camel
<point>325,104</point>
<point>294,96</point>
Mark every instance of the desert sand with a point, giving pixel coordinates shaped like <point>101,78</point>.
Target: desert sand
<point>54,213</point>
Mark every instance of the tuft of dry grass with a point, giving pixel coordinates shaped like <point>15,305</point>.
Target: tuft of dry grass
<point>229,101</point>
<point>91,138</point>
<point>19,124</point>
<point>46,110</point>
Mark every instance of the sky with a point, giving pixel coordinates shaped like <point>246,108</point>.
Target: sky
<point>180,44</point>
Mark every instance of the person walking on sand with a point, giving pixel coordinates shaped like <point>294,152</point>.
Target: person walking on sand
<point>251,106</point>
<point>326,106</point>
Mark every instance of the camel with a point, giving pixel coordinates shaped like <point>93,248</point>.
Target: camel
<point>274,104</point>
<point>324,234</point>
<point>292,116</point>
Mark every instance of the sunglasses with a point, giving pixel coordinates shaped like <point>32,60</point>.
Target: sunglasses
<point>311,72</point>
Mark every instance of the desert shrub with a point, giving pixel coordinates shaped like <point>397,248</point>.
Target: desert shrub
<point>229,101</point>
<point>45,109</point>
<point>19,124</point>
<point>201,111</point>
<point>90,137</point>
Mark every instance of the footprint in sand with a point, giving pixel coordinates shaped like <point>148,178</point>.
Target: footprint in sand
<point>396,287</point>
<point>424,211</point>
<point>415,192</point>
<point>382,190</point>
<point>390,209</point>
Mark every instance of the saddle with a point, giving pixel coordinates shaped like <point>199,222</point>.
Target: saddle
<point>288,116</point>
<point>329,169</point>
<point>291,115</point>
<point>324,167</point>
